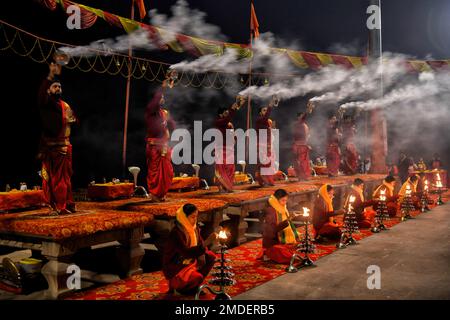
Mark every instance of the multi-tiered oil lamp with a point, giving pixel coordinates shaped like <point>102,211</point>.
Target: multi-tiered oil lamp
<point>439,189</point>
<point>382,213</point>
<point>407,205</point>
<point>424,198</point>
<point>223,277</point>
<point>350,226</point>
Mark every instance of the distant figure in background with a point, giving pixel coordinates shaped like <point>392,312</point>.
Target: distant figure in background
<point>224,154</point>
<point>158,153</point>
<point>350,161</point>
<point>186,258</point>
<point>279,234</point>
<point>55,149</point>
<point>264,123</point>
<point>388,187</point>
<point>333,152</point>
<point>300,147</point>
<point>436,163</point>
<point>403,166</point>
<point>323,220</point>
<point>421,166</point>
<point>364,216</point>
<point>392,169</point>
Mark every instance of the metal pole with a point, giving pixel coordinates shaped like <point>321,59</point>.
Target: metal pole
<point>127,102</point>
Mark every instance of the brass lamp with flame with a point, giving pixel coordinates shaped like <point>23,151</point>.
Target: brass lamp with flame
<point>439,189</point>
<point>223,277</point>
<point>350,226</point>
<point>305,246</point>
<point>62,58</point>
<point>424,198</point>
<point>407,204</point>
<point>382,213</point>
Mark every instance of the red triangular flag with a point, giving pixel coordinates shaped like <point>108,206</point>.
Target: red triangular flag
<point>141,6</point>
<point>254,25</point>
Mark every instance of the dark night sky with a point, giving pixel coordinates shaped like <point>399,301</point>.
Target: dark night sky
<point>414,27</point>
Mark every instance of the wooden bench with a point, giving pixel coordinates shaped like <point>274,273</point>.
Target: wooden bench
<point>59,238</point>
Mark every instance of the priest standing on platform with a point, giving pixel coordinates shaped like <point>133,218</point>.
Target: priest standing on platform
<point>158,153</point>
<point>265,167</point>
<point>55,150</point>
<point>224,153</point>
<point>333,152</point>
<point>300,148</point>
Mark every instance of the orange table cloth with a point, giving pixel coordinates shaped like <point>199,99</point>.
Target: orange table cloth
<point>78,224</point>
<point>166,208</point>
<point>240,178</point>
<point>21,199</point>
<point>109,191</point>
<point>179,183</point>
<point>321,170</point>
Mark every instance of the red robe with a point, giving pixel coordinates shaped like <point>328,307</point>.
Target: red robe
<point>265,150</point>
<point>224,171</point>
<point>321,221</point>
<point>300,149</point>
<point>274,250</point>
<point>182,275</point>
<point>333,153</point>
<point>350,161</point>
<point>55,149</point>
<point>158,152</point>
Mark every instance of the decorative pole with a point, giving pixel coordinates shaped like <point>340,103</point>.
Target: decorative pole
<point>377,120</point>
<point>127,101</point>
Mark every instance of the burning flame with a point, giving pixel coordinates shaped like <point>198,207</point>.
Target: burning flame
<point>408,189</point>
<point>438,181</point>
<point>426,185</point>
<point>222,235</point>
<point>383,195</point>
<point>305,212</point>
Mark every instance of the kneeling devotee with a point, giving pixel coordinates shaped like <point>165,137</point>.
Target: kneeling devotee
<point>364,215</point>
<point>186,258</point>
<point>323,220</point>
<point>279,234</point>
<point>412,182</point>
<point>387,187</point>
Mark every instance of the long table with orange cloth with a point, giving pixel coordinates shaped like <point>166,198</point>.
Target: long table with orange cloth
<point>21,199</point>
<point>59,237</point>
<point>110,191</point>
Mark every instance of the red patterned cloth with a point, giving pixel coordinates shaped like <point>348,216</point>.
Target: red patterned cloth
<point>110,191</point>
<point>21,199</point>
<point>166,208</point>
<point>185,183</point>
<point>79,224</point>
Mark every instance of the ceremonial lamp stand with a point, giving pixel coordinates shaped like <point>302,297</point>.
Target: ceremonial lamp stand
<point>439,190</point>
<point>305,246</point>
<point>382,214</point>
<point>424,198</point>
<point>407,205</point>
<point>223,277</point>
<point>350,226</point>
